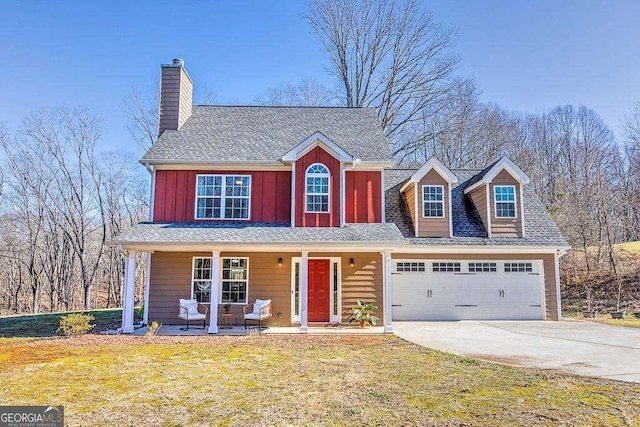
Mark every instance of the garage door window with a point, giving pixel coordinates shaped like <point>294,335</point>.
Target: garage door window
<point>452,267</point>
<point>482,267</point>
<point>410,267</point>
<point>518,267</point>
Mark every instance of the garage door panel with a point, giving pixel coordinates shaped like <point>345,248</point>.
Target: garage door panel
<point>466,295</point>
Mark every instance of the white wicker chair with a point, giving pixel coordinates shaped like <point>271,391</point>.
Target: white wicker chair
<point>259,310</point>
<point>189,312</point>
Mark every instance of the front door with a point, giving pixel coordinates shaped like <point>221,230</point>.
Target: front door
<point>318,304</point>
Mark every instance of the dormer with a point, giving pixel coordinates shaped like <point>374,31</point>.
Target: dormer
<point>428,196</point>
<point>497,194</point>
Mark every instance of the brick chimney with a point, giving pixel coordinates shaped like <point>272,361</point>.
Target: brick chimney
<point>176,96</point>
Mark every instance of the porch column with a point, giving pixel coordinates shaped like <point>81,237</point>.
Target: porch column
<point>304,291</point>
<point>388,293</point>
<point>147,281</point>
<point>215,285</point>
<point>128,297</point>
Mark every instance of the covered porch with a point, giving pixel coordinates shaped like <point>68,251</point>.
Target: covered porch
<point>237,330</point>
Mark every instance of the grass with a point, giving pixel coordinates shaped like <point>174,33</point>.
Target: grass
<point>630,247</point>
<point>295,380</point>
<point>45,325</point>
<point>629,321</point>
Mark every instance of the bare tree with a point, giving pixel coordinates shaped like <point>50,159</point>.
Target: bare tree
<point>390,55</point>
<point>309,93</point>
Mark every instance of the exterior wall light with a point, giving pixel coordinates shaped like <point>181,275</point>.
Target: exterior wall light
<point>351,262</point>
<point>279,262</point>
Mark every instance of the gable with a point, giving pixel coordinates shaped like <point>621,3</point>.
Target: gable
<point>314,141</point>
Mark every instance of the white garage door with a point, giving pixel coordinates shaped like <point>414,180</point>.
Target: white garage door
<point>468,290</point>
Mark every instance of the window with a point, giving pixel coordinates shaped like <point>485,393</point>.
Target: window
<point>201,283</point>
<point>446,267</point>
<point>317,188</point>
<point>410,266</point>
<point>222,196</point>
<point>432,201</point>
<point>518,267</point>
<point>505,200</point>
<point>482,267</point>
<point>235,276</point>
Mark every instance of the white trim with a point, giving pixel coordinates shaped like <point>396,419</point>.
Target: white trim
<point>152,194</point>
<point>147,283</point>
<point>223,197</point>
<point>488,196</point>
<point>129,293</point>
<point>326,175</point>
<point>503,163</point>
<point>333,318</point>
<point>524,234</point>
<point>495,202</point>
<point>342,195</point>
<point>388,292</point>
<point>364,165</point>
<point>438,166</point>
<point>415,200</point>
<point>543,298</point>
<point>556,260</point>
<point>450,212</point>
<point>215,286</point>
<point>315,140</point>
<point>304,291</point>
<point>216,166</point>
<point>293,194</point>
<point>383,202</point>
<point>433,201</point>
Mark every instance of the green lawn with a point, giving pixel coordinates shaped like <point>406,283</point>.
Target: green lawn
<point>45,325</point>
<point>295,380</point>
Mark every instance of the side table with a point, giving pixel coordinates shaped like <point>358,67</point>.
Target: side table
<point>227,321</point>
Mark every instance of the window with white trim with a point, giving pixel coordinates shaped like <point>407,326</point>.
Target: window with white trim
<point>201,279</point>
<point>222,196</point>
<point>518,267</point>
<point>504,197</point>
<point>482,267</point>
<point>317,188</point>
<point>433,201</point>
<point>410,267</point>
<point>450,267</point>
<point>235,280</point>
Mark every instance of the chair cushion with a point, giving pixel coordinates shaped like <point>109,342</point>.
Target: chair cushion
<point>196,316</point>
<point>259,304</point>
<point>190,306</point>
<point>252,316</point>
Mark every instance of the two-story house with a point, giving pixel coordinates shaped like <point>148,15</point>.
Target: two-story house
<point>303,206</point>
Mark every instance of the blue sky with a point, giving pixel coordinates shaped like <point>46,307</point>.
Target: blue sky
<point>526,55</point>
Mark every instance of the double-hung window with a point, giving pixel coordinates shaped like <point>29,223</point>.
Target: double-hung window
<point>201,281</point>
<point>235,278</point>
<point>317,188</point>
<point>505,201</point>
<point>433,201</point>
<point>222,196</point>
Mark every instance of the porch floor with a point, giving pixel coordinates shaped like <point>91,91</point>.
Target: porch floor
<point>237,330</point>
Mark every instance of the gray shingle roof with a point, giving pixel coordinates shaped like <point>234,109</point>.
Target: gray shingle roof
<point>202,233</point>
<point>468,229</point>
<point>259,134</point>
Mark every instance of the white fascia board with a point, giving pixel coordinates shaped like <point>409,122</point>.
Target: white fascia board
<point>363,165</point>
<point>318,139</point>
<point>439,167</point>
<point>504,163</point>
<point>471,250</point>
<point>252,165</point>
<point>283,247</point>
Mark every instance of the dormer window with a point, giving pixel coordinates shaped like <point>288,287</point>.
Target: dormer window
<point>433,201</point>
<point>317,180</point>
<point>505,201</point>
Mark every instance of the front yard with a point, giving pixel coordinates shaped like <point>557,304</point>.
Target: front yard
<point>299,380</point>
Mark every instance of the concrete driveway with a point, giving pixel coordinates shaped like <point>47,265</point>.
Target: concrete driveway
<point>578,347</point>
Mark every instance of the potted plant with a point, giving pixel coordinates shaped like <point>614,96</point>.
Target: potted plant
<point>363,314</point>
<point>227,308</point>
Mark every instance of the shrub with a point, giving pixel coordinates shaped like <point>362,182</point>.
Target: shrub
<point>75,324</point>
<point>152,329</point>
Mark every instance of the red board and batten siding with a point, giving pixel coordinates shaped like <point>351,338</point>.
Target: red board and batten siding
<point>363,197</point>
<point>175,192</point>
<point>332,218</point>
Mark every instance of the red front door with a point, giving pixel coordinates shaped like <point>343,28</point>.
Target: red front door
<point>318,290</point>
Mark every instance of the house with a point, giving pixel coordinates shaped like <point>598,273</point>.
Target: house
<point>303,206</point>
